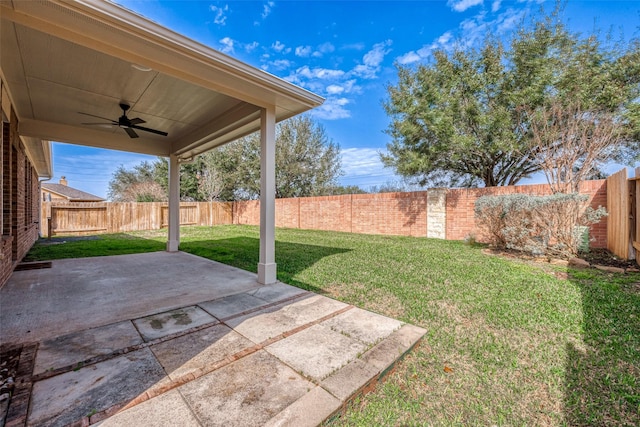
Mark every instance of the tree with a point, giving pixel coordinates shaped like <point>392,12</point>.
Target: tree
<point>189,183</point>
<point>139,184</point>
<point>463,119</point>
<point>570,144</point>
<point>340,190</point>
<point>451,121</point>
<point>589,117</point>
<point>307,163</point>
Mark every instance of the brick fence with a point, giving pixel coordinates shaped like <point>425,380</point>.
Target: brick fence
<point>439,213</point>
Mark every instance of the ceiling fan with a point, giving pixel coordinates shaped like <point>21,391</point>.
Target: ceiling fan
<point>126,123</point>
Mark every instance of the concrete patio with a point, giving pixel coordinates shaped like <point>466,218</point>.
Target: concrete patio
<point>174,339</point>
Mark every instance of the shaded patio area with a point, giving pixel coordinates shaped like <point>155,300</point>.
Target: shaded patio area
<point>174,339</point>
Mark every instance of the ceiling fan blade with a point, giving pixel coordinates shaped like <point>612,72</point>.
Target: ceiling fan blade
<point>136,121</point>
<point>157,132</point>
<point>93,115</point>
<point>131,133</point>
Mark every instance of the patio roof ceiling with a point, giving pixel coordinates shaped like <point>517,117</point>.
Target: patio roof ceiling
<point>65,57</point>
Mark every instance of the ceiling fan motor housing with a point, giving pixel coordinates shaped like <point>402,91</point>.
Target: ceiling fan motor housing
<point>124,121</point>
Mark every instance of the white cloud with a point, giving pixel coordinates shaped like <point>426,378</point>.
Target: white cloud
<point>323,49</point>
<point>303,51</point>
<point>470,32</point>
<point>317,73</point>
<point>280,64</point>
<point>335,89</point>
<point>280,47</point>
<point>509,20</point>
<point>362,166</point>
<point>326,47</point>
<point>462,5</point>
<point>332,109</point>
<point>250,47</point>
<point>444,39</point>
<point>350,86</point>
<point>354,46</point>
<point>408,58</point>
<point>359,161</point>
<point>227,45</point>
<point>267,8</point>
<point>371,60</point>
<point>219,14</point>
<point>375,56</point>
<point>495,6</point>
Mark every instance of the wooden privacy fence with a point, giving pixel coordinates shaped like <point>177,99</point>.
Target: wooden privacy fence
<point>107,217</point>
<point>623,222</point>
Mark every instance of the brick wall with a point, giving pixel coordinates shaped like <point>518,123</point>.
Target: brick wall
<point>388,213</point>
<point>6,265</point>
<point>402,214</point>
<point>331,213</point>
<point>20,201</point>
<point>460,208</point>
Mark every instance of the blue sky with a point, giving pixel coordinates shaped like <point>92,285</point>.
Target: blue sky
<point>344,51</point>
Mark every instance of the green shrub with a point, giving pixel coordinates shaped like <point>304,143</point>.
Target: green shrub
<point>541,225</point>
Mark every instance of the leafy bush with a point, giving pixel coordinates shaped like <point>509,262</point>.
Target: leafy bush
<point>541,225</point>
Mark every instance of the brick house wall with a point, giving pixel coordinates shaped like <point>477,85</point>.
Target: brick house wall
<point>20,200</point>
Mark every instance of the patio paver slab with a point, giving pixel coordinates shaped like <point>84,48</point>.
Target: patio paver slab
<point>232,305</point>
<point>363,325</point>
<point>168,409</point>
<point>273,321</point>
<point>63,399</point>
<point>79,346</point>
<point>199,350</point>
<point>277,292</point>
<point>310,410</point>
<point>248,392</point>
<point>171,322</point>
<point>317,351</point>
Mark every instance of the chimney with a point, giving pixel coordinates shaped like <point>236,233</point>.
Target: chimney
<point>63,180</point>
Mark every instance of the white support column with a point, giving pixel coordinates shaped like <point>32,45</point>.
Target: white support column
<point>174,204</point>
<point>267,265</point>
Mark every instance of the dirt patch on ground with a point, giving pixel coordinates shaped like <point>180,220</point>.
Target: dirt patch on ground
<point>600,256</point>
<point>595,256</point>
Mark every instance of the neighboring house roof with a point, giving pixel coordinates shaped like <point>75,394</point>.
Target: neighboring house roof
<point>72,194</point>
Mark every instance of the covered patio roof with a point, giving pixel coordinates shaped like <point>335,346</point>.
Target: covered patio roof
<point>68,62</point>
<point>61,58</point>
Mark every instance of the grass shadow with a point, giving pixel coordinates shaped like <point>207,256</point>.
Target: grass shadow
<point>243,252</point>
<point>603,371</point>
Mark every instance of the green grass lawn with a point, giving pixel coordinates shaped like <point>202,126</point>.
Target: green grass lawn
<point>508,342</point>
